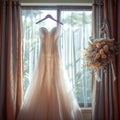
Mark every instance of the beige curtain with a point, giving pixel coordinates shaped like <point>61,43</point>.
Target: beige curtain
<point>11,67</point>
<point>105,92</point>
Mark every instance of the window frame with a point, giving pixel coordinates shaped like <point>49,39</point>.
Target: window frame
<point>59,9</point>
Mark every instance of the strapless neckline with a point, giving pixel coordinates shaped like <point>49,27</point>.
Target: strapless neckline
<point>50,31</point>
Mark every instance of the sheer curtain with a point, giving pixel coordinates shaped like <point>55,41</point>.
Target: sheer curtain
<point>31,38</point>
<point>10,60</point>
<point>74,38</point>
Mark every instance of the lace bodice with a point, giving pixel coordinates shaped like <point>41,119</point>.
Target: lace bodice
<point>49,39</point>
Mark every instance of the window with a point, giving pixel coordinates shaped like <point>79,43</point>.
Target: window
<point>75,37</point>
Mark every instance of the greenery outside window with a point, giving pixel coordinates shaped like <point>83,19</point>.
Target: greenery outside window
<point>75,35</point>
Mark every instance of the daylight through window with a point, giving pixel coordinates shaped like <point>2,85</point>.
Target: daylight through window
<point>75,35</point>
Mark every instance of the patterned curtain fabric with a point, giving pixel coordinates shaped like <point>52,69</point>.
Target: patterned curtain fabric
<point>105,94</point>
<point>11,67</point>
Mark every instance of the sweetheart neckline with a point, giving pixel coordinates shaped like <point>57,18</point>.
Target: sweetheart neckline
<point>50,31</point>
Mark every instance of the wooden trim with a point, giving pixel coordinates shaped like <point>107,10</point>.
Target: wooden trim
<point>86,110</point>
<point>89,105</point>
<point>58,7</point>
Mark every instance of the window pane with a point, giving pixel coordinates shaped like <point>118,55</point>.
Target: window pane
<point>31,39</point>
<point>76,32</point>
<point>75,35</point>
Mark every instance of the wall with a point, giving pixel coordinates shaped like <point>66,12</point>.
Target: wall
<point>87,113</point>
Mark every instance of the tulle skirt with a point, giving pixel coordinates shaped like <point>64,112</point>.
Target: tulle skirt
<point>50,95</point>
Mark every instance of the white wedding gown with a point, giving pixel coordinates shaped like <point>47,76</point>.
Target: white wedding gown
<point>50,95</point>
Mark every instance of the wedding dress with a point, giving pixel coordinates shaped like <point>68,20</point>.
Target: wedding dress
<point>50,95</point>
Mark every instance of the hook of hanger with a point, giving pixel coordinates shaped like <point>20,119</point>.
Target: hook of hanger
<point>49,16</point>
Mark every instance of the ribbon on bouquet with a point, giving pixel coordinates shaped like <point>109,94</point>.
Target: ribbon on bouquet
<point>97,73</point>
<point>113,71</point>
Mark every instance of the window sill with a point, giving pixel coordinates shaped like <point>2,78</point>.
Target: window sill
<point>86,110</point>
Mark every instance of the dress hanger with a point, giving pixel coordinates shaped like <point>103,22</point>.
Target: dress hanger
<point>49,16</point>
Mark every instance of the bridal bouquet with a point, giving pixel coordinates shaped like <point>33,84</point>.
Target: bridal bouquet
<point>100,52</point>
